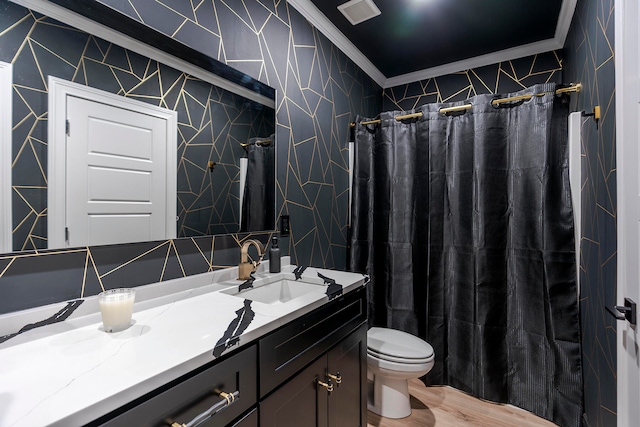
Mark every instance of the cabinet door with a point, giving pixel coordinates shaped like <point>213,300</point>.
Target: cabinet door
<point>300,402</point>
<point>249,420</point>
<point>347,405</point>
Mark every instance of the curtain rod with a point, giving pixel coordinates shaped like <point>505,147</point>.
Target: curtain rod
<point>263,142</point>
<point>572,88</point>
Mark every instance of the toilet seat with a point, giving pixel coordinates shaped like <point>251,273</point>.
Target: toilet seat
<point>397,346</point>
<point>396,359</point>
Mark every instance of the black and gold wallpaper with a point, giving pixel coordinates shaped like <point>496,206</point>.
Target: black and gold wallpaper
<point>319,91</point>
<point>212,122</point>
<point>589,58</point>
<point>504,77</point>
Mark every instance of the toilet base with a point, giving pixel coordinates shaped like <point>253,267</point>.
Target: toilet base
<point>389,397</point>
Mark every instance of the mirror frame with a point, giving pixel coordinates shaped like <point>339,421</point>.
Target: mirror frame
<point>102,21</point>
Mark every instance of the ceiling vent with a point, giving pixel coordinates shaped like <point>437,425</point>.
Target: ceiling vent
<point>357,11</point>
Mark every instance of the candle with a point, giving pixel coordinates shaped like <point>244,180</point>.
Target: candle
<point>116,306</point>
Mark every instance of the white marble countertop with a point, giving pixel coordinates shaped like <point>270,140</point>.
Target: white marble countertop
<point>72,372</point>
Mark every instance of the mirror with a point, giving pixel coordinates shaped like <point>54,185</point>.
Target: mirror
<point>223,115</point>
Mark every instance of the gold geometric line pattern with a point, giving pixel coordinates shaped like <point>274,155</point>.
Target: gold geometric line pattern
<point>144,80</point>
<point>504,77</point>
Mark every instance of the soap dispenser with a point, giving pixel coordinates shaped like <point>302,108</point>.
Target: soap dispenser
<point>274,256</point>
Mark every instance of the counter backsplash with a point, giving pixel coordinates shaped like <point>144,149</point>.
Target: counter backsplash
<point>34,279</point>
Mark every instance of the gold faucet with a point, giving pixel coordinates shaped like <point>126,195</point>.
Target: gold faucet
<point>245,268</point>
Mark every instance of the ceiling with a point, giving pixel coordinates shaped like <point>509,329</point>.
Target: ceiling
<point>414,40</point>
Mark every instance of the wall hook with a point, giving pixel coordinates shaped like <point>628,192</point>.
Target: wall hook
<point>595,114</point>
<point>211,165</point>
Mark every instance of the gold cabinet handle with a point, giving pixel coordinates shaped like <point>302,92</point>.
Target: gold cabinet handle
<point>337,378</point>
<point>229,399</point>
<point>328,386</point>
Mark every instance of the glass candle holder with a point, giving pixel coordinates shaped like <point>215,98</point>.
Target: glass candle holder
<point>116,307</point>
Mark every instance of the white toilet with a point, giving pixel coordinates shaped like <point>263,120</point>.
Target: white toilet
<point>393,357</point>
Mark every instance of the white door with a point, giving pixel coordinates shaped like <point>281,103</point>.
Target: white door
<point>116,167</point>
<point>627,44</point>
<point>112,168</point>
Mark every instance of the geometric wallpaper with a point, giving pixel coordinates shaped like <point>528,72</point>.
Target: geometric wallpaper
<point>319,91</point>
<point>504,77</point>
<point>589,58</point>
<point>212,122</point>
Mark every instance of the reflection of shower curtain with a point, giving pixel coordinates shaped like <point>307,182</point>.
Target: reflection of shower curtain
<point>258,206</point>
<point>465,225</point>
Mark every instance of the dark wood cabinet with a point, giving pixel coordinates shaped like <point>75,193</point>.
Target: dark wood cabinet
<point>347,404</point>
<point>299,402</point>
<point>249,420</point>
<point>186,398</point>
<point>310,372</point>
<point>329,392</point>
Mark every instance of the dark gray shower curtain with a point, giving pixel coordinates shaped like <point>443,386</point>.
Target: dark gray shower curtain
<point>258,206</point>
<point>465,226</point>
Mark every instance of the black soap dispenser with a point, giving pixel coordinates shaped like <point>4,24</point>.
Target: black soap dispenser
<point>274,256</point>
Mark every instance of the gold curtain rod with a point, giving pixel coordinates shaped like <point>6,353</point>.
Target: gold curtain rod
<point>573,88</point>
<point>263,142</point>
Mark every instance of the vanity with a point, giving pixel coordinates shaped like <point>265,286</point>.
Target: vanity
<point>290,356</point>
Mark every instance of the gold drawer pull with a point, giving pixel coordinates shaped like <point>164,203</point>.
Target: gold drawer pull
<point>328,386</point>
<point>337,378</point>
<point>229,399</point>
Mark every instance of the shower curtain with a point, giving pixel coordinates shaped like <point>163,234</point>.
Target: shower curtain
<point>259,193</point>
<point>464,223</point>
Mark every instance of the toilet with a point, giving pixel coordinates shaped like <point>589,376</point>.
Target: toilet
<point>393,358</point>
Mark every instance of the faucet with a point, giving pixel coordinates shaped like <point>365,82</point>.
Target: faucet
<point>245,268</point>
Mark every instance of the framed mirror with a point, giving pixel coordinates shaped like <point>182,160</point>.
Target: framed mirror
<point>225,160</point>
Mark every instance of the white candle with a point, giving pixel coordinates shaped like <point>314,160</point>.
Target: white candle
<point>116,306</point>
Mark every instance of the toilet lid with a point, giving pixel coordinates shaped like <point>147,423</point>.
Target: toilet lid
<point>390,343</point>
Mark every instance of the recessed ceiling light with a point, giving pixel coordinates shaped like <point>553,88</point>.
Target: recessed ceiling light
<point>357,11</point>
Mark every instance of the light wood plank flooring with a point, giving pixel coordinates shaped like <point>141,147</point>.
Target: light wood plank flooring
<point>448,407</point>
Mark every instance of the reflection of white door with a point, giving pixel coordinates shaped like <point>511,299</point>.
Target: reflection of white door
<point>116,174</point>
<point>627,39</point>
<point>114,170</point>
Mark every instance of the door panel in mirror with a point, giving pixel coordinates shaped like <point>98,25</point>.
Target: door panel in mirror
<point>212,122</point>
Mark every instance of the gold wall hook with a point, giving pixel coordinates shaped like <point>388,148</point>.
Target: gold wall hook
<point>211,165</point>
<point>595,114</point>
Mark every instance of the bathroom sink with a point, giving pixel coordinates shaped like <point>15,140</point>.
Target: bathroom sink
<point>276,292</point>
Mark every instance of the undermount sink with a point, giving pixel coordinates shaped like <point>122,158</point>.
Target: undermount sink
<point>280,291</point>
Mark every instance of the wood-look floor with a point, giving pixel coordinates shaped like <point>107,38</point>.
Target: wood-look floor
<point>448,407</point>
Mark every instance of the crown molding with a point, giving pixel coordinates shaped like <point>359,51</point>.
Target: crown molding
<point>312,14</point>
<point>475,62</point>
<point>322,23</point>
<point>564,20</point>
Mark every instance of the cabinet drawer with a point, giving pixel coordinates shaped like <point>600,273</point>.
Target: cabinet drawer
<point>183,401</point>
<point>295,345</point>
